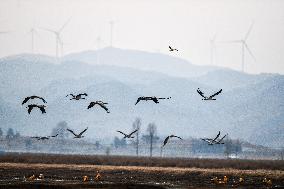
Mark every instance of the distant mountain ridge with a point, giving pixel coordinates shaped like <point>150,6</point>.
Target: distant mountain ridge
<point>250,105</point>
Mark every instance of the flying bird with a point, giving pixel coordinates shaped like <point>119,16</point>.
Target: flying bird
<point>153,98</point>
<point>210,97</point>
<point>32,97</point>
<point>211,141</point>
<point>45,137</point>
<point>100,103</point>
<point>128,135</point>
<point>78,135</point>
<point>172,49</point>
<point>78,96</point>
<point>41,107</point>
<point>168,137</point>
<point>220,141</point>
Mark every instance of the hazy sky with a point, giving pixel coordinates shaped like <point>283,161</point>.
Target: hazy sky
<point>152,25</point>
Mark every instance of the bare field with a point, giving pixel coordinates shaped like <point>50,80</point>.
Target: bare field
<point>69,175</point>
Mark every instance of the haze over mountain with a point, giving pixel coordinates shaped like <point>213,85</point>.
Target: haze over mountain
<point>249,107</point>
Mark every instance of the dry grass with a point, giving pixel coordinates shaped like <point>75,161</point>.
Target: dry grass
<point>144,161</point>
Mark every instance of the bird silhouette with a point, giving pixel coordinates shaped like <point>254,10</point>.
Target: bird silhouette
<point>210,97</point>
<point>172,49</point>
<point>170,136</point>
<point>153,98</point>
<point>100,103</point>
<point>41,107</point>
<point>32,97</point>
<point>211,141</point>
<point>45,137</point>
<point>128,135</point>
<point>80,135</point>
<point>78,96</point>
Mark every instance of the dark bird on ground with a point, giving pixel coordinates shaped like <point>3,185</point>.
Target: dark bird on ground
<point>41,107</point>
<point>172,49</point>
<point>211,141</point>
<point>78,96</point>
<point>146,98</point>
<point>100,103</point>
<point>79,135</point>
<point>32,97</point>
<point>168,137</point>
<point>128,135</point>
<point>210,97</point>
<point>45,137</point>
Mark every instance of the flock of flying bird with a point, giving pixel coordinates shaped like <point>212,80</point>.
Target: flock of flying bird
<point>102,104</point>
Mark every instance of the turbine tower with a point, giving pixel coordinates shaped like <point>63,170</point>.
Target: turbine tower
<point>58,40</point>
<point>33,32</point>
<point>244,45</point>
<point>212,49</point>
<point>111,31</point>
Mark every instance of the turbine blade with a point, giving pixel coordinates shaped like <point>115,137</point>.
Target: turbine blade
<point>3,32</point>
<point>64,25</point>
<point>249,30</point>
<point>46,29</point>
<point>250,51</point>
<point>231,41</point>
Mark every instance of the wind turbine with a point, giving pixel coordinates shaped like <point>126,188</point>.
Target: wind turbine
<point>33,32</point>
<point>111,31</point>
<point>244,45</point>
<point>58,40</point>
<point>212,49</point>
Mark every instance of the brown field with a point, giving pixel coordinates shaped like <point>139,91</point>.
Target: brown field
<point>62,171</point>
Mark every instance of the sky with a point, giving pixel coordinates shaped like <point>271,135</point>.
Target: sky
<point>151,25</point>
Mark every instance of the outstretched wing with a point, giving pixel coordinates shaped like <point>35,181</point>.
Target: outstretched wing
<point>26,100</point>
<point>177,137</point>
<point>71,132</point>
<point>216,94</point>
<point>155,100</point>
<point>170,48</point>
<point>201,93</point>
<point>42,109</point>
<point>122,133</point>
<point>222,138</point>
<point>30,109</point>
<point>83,131</point>
<point>133,132</point>
<point>53,136</point>
<point>35,137</point>
<point>217,136</point>
<point>166,140</point>
<point>91,105</point>
<point>83,94</point>
<point>71,95</point>
<point>104,107</point>
<point>138,100</point>
<point>42,99</point>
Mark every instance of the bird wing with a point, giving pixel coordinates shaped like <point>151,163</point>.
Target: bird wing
<point>83,131</point>
<point>201,93</point>
<point>53,135</point>
<point>177,137</point>
<point>83,94</point>
<point>217,136</point>
<point>30,109</point>
<point>26,100</point>
<point>42,109</point>
<point>138,100</point>
<point>133,132</point>
<point>155,100</point>
<point>71,95</point>
<point>216,94</point>
<point>35,137</point>
<point>122,133</point>
<point>166,140</point>
<point>222,138</point>
<point>91,105</point>
<point>41,99</point>
<point>170,48</point>
<point>71,132</point>
<point>103,106</point>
